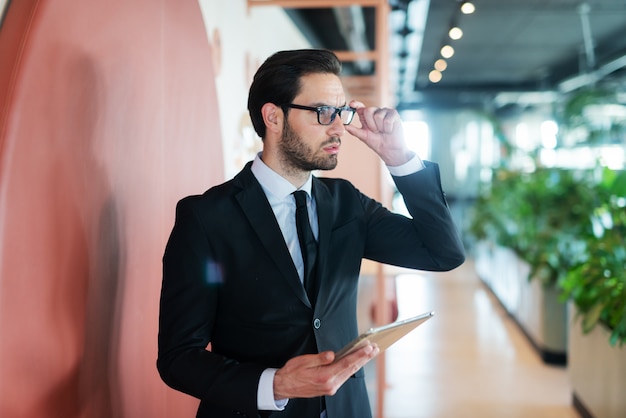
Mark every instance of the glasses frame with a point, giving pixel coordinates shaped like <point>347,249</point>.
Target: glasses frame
<point>320,109</point>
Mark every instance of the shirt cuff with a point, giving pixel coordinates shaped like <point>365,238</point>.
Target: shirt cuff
<point>414,165</point>
<point>265,393</point>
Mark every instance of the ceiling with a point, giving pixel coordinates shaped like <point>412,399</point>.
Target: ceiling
<point>512,51</point>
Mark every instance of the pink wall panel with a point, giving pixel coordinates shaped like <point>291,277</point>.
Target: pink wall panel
<point>108,116</point>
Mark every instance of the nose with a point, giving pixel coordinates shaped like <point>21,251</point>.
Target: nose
<point>337,127</point>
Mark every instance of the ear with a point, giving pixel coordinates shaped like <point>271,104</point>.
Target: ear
<point>273,117</point>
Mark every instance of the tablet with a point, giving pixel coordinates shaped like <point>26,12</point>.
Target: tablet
<point>385,335</point>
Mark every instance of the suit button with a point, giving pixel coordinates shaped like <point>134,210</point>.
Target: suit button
<point>317,323</point>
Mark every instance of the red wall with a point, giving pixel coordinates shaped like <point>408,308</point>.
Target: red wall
<point>108,115</point>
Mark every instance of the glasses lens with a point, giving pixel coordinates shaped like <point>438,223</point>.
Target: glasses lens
<point>326,114</point>
<point>346,113</point>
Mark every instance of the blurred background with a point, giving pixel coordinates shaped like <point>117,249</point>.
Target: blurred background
<point>111,111</point>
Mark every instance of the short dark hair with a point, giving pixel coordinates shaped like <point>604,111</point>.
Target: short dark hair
<point>278,79</point>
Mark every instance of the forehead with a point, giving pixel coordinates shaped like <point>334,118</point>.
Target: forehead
<point>320,89</point>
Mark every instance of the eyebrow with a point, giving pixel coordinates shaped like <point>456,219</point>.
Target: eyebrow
<point>328,105</point>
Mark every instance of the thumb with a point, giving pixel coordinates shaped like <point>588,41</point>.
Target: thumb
<point>326,357</point>
<point>355,131</point>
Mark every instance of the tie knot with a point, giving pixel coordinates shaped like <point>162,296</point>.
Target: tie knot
<point>300,196</point>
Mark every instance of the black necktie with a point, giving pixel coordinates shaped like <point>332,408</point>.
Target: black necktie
<point>308,245</point>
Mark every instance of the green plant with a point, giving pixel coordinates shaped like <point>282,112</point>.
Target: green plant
<point>597,115</point>
<point>489,215</point>
<point>597,282</point>
<point>539,215</point>
<point>570,227</point>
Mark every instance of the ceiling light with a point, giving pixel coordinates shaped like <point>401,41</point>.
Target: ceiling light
<point>447,51</point>
<point>441,65</point>
<point>455,33</point>
<point>434,76</point>
<point>467,7</point>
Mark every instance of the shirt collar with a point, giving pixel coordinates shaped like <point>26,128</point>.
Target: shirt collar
<point>273,183</point>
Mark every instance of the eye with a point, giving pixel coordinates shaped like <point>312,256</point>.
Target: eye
<point>326,111</point>
<point>326,114</point>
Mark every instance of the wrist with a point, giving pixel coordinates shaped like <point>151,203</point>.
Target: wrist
<point>279,392</point>
<point>398,158</point>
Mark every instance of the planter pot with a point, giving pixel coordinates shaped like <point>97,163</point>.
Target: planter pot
<point>597,372</point>
<point>534,307</point>
<point>544,319</point>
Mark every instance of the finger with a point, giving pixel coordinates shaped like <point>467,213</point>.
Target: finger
<point>315,360</point>
<point>368,118</point>
<point>386,119</point>
<point>306,376</point>
<point>351,363</point>
<point>356,104</point>
<point>357,132</point>
<point>378,119</point>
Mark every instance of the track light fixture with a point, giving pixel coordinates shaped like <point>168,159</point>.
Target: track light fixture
<point>447,51</point>
<point>441,65</point>
<point>435,76</point>
<point>467,8</point>
<point>455,33</point>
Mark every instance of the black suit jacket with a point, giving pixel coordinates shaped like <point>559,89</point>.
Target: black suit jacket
<point>228,279</point>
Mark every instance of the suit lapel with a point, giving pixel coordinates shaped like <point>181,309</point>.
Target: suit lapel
<point>259,213</point>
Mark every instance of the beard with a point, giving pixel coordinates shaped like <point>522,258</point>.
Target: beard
<point>297,155</point>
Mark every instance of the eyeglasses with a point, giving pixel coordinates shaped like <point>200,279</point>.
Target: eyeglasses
<point>326,114</point>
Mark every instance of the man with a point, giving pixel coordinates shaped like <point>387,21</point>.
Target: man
<point>234,273</point>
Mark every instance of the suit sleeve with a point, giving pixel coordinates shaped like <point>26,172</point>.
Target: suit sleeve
<point>429,239</point>
<point>190,288</point>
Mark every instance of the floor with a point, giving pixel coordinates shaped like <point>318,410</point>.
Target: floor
<point>470,361</point>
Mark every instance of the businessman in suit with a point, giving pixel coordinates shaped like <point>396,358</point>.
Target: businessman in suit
<point>275,310</point>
